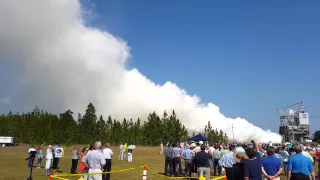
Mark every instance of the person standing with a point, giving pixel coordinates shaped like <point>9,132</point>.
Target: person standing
<point>317,157</point>
<point>55,159</point>
<point>187,155</point>
<point>95,162</point>
<point>49,157</point>
<point>168,153</point>
<point>176,160</point>
<point>252,167</point>
<point>228,161</point>
<point>216,158</point>
<point>300,167</point>
<point>238,167</point>
<point>161,148</point>
<point>82,167</point>
<point>121,152</point>
<point>285,156</point>
<point>271,166</point>
<point>202,159</point>
<point>32,155</point>
<point>107,154</point>
<point>75,159</point>
<point>130,151</point>
<point>125,149</point>
<point>40,156</point>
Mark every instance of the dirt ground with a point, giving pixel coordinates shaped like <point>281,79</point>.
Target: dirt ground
<point>14,166</point>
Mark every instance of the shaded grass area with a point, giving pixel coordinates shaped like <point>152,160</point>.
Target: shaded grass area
<point>14,166</point>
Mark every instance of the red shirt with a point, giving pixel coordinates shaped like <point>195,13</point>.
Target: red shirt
<point>318,156</point>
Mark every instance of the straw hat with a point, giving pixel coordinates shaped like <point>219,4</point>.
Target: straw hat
<point>240,155</point>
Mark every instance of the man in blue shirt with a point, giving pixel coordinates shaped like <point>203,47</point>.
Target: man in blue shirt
<point>300,167</point>
<point>271,165</point>
<point>187,155</point>
<point>176,160</point>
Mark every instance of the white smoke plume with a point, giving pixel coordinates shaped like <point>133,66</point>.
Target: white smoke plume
<point>64,64</point>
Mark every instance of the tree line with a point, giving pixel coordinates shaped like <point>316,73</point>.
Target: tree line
<point>40,126</point>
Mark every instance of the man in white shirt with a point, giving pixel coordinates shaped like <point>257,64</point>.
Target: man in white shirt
<point>121,152</point>
<point>32,155</point>
<point>107,154</point>
<point>95,162</point>
<point>306,153</point>
<point>161,148</point>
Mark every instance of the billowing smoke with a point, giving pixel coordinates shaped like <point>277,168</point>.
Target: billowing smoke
<point>64,64</point>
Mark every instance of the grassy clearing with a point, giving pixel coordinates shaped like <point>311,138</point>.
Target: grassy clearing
<point>14,166</point>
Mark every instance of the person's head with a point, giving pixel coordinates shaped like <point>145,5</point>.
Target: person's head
<point>85,150</point>
<point>76,147</point>
<point>97,145</point>
<point>197,144</point>
<point>215,146</point>
<point>169,145</point>
<point>39,148</point>
<point>270,151</point>
<point>90,147</point>
<point>232,148</point>
<point>108,145</point>
<point>251,153</point>
<point>298,149</point>
<point>50,147</point>
<point>174,145</point>
<point>203,147</point>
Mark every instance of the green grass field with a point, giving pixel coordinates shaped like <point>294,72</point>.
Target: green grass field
<point>14,166</point>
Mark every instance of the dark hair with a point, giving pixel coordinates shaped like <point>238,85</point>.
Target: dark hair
<point>284,147</point>
<point>84,149</point>
<point>270,151</point>
<point>231,147</point>
<point>251,153</point>
<point>174,145</point>
<point>90,147</point>
<point>203,147</point>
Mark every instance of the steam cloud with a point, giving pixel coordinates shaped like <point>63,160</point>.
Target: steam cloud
<point>64,64</point>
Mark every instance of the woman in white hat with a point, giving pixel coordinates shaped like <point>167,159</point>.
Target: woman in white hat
<point>49,157</point>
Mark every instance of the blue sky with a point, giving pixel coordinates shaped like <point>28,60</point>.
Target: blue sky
<point>247,57</point>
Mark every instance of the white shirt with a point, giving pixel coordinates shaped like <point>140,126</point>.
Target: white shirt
<point>94,159</point>
<point>107,153</point>
<point>49,154</point>
<point>121,147</point>
<point>211,149</point>
<point>31,149</point>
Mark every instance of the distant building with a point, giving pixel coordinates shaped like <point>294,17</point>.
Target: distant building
<point>294,125</point>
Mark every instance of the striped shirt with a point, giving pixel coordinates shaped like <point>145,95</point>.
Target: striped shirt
<point>228,160</point>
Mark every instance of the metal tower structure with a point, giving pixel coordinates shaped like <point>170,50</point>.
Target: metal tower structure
<point>294,123</point>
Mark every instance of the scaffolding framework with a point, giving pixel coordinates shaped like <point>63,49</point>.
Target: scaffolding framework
<point>294,124</point>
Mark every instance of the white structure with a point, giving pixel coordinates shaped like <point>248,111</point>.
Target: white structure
<point>6,141</point>
<point>294,124</point>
